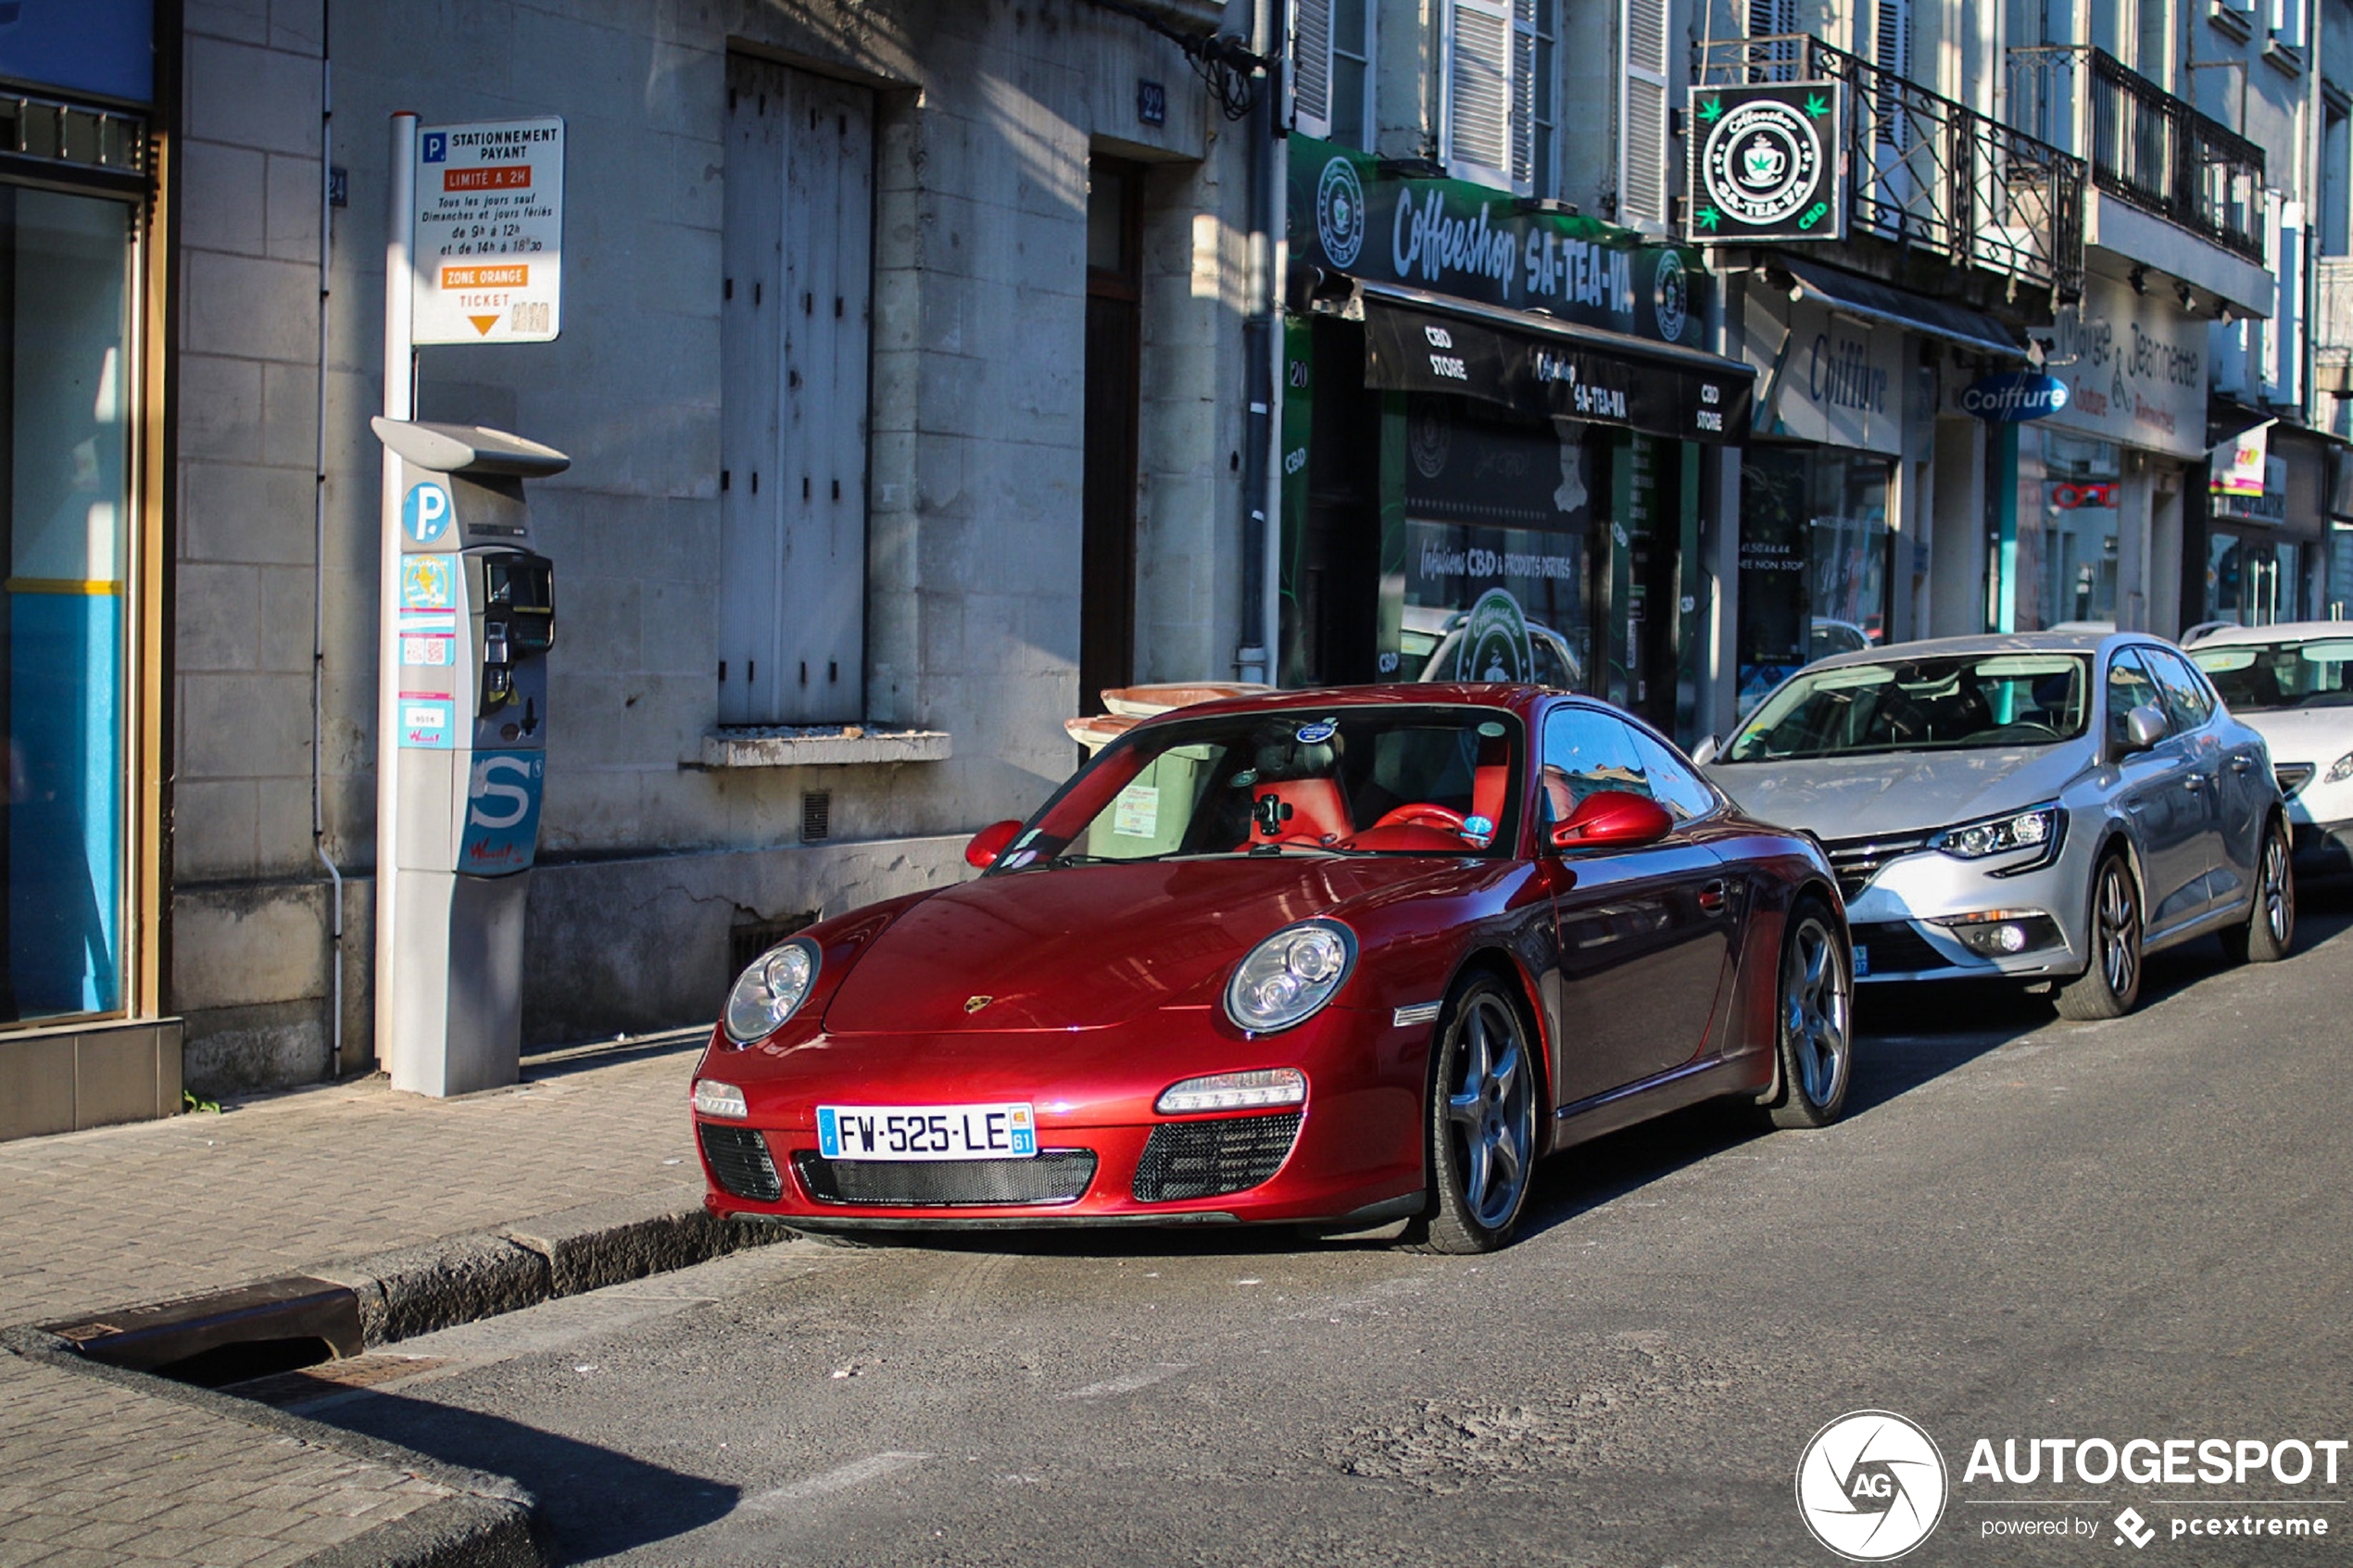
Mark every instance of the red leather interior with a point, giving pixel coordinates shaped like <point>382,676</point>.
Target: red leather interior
<point>1487,791</point>
<point>1317,811</point>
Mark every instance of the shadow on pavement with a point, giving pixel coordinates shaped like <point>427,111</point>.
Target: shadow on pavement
<point>595,1501</point>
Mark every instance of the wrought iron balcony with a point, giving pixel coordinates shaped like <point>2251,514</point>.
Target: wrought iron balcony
<point>2147,148</point>
<point>1929,174</point>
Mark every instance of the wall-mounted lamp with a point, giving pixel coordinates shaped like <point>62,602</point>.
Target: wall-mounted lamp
<point>2139,280</point>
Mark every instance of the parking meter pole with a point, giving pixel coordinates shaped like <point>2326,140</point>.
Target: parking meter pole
<point>474,617</point>
<point>400,402</point>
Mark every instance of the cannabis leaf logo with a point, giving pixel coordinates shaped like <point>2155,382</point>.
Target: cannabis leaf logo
<point>1817,105</point>
<point>1709,110</point>
<point>1708,217</point>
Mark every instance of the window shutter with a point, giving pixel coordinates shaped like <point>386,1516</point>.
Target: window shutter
<point>1642,124</point>
<point>1310,67</point>
<point>1773,19</point>
<point>1524,95</point>
<point>1478,91</point>
<point>1891,52</point>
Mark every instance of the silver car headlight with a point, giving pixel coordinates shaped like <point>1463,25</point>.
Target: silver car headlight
<point>1290,977</point>
<point>2035,828</point>
<point>2339,771</point>
<point>770,991</point>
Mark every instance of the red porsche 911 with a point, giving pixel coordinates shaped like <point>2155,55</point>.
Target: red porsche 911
<point>1328,959</point>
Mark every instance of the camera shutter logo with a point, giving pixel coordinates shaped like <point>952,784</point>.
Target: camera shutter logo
<point>1761,163</point>
<point>1339,212</point>
<point>1871,1485</point>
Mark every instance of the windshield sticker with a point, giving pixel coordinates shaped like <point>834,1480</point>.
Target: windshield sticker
<point>1135,812</point>
<point>1318,733</point>
<point>1491,729</point>
<point>1017,860</point>
<point>1479,830</point>
<point>1244,779</point>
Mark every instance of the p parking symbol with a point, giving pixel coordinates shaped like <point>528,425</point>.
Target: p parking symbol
<point>425,512</point>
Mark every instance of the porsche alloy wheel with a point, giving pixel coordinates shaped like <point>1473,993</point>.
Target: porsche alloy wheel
<point>1482,1122</point>
<point>2111,984</point>
<point>1816,1021</point>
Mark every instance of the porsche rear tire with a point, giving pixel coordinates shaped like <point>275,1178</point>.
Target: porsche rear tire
<point>1481,1122</point>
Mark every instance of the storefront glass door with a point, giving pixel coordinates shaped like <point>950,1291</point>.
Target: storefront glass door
<point>66,377</point>
<point>2252,581</point>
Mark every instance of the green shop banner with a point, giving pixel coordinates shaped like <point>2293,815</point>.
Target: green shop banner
<point>1476,243</point>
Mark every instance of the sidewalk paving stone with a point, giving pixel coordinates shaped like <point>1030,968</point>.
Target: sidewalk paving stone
<point>589,1165</point>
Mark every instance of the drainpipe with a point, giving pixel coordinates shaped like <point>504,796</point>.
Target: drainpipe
<point>1256,658</point>
<point>319,567</point>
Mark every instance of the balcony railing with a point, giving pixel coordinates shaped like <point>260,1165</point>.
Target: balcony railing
<point>1926,173</point>
<point>2147,147</point>
<point>2333,316</point>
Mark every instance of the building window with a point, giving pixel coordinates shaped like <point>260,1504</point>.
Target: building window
<point>798,258</point>
<point>1542,29</point>
<point>1641,122</point>
<point>1332,70</point>
<point>68,375</point>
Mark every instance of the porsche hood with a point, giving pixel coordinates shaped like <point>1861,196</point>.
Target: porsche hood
<point>1090,947</point>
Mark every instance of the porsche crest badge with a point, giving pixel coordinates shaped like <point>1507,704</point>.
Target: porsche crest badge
<point>973,1004</point>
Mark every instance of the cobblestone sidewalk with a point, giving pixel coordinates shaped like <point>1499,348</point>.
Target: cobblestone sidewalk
<point>103,1468</point>
<point>120,1215</point>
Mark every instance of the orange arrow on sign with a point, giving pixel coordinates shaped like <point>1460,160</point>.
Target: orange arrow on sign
<point>484,323</point>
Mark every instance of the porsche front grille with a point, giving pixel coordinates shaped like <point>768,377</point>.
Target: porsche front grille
<point>1054,1176</point>
<point>1857,860</point>
<point>1207,1159</point>
<point>738,1158</point>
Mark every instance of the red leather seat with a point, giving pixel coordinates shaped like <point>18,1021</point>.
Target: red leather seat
<point>1488,783</point>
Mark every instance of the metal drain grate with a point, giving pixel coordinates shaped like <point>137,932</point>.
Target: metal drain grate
<point>816,815</point>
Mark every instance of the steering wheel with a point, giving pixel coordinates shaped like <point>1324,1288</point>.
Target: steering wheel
<point>1422,814</point>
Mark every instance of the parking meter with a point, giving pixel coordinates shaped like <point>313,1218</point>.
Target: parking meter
<point>469,711</point>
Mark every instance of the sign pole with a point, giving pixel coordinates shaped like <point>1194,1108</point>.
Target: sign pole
<point>400,402</point>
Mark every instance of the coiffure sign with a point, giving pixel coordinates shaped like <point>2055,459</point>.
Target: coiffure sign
<point>1471,241</point>
<point>1823,376</point>
<point>2014,398</point>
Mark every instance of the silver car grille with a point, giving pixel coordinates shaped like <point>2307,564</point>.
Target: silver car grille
<point>1857,860</point>
<point>2293,777</point>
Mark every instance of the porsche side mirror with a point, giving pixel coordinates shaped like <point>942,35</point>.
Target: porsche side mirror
<point>1704,752</point>
<point>1613,819</point>
<point>2144,727</point>
<point>989,843</point>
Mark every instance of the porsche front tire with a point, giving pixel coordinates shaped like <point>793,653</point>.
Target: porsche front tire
<point>1481,1122</point>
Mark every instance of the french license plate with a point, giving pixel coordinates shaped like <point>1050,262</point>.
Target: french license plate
<point>1862,960</point>
<point>926,1132</point>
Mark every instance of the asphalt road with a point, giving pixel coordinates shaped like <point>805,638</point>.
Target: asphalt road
<point>2023,1229</point>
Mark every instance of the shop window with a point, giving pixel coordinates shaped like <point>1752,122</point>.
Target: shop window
<point>66,405</point>
<point>2069,488</point>
<point>1332,70</point>
<point>796,253</point>
<point>1814,548</point>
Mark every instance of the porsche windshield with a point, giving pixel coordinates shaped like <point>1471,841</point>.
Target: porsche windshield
<point>1931,704</point>
<point>1342,780</point>
<point>2267,677</point>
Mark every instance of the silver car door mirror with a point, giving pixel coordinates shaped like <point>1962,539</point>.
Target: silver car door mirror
<point>2144,727</point>
<point>1704,752</point>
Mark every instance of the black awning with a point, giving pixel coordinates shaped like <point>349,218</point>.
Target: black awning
<point>1874,301</point>
<point>1547,370</point>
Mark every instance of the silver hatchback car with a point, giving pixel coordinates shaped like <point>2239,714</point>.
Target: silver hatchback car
<point>2049,805</point>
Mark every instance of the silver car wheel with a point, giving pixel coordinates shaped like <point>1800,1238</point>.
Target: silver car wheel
<point>2119,930</point>
<point>2278,909</point>
<point>1818,994</point>
<point>1491,1106</point>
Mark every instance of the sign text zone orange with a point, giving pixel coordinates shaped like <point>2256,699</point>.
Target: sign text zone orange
<point>509,277</point>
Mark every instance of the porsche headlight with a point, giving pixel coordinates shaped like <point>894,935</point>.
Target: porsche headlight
<point>769,992</point>
<point>1290,975</point>
<point>2033,829</point>
<point>2339,771</point>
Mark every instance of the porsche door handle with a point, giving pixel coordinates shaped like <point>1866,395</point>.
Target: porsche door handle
<point>2242,764</point>
<point>1712,899</point>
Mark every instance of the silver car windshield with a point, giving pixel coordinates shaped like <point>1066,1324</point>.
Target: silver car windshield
<point>1935,704</point>
<point>2270,677</point>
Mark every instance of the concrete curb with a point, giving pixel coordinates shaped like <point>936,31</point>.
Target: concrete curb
<point>488,1521</point>
<point>458,1279</point>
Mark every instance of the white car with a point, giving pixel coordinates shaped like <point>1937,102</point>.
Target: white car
<point>2292,682</point>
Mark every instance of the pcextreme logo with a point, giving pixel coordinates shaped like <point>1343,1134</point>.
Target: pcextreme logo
<point>1871,1485</point>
